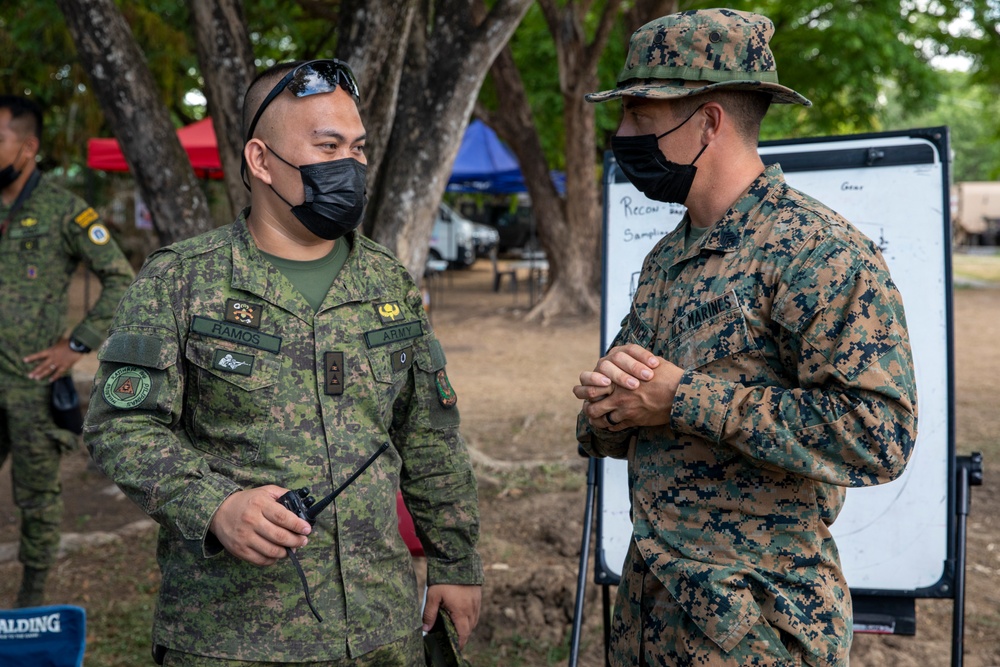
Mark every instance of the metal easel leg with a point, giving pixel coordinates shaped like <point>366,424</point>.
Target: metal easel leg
<point>581,580</point>
<point>970,473</point>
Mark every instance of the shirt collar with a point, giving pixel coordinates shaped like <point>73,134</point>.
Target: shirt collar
<point>726,235</point>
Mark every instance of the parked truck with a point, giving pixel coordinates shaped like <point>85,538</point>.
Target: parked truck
<point>975,213</point>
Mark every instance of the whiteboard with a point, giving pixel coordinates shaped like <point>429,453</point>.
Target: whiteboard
<point>893,186</point>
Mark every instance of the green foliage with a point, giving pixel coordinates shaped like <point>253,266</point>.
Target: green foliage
<point>971,111</point>
<point>859,61</point>
<point>841,55</point>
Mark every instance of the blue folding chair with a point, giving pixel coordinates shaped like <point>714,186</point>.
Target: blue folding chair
<point>53,636</point>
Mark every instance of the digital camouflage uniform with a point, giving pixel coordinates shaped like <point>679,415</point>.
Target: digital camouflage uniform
<point>48,237</point>
<point>218,376</point>
<point>798,382</point>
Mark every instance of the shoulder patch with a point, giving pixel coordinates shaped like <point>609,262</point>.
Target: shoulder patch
<point>99,234</point>
<point>87,216</point>
<point>127,387</point>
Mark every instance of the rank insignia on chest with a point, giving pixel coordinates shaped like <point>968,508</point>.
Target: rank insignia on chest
<point>446,394</point>
<point>389,312</point>
<point>333,373</point>
<point>243,312</point>
<point>32,271</point>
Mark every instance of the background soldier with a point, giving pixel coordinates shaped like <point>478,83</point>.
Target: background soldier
<point>276,353</point>
<point>45,233</point>
<point>764,366</point>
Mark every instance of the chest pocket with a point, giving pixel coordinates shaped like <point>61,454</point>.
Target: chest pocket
<point>230,392</point>
<point>714,333</point>
<point>391,366</point>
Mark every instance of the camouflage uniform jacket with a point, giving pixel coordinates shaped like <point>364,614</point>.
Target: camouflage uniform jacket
<point>51,233</point>
<point>218,376</point>
<point>798,382</point>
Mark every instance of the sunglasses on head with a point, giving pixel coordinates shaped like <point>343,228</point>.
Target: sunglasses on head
<point>311,78</point>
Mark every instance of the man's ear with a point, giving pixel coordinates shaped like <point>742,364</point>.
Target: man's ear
<point>255,153</point>
<point>715,118</point>
<point>31,147</point>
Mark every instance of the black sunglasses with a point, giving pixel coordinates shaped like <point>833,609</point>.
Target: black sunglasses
<point>311,78</point>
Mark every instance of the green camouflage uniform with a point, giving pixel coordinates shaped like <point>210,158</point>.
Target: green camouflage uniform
<point>798,381</point>
<point>218,376</point>
<point>49,235</point>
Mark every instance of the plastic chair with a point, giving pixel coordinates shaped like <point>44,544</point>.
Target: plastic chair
<point>52,636</point>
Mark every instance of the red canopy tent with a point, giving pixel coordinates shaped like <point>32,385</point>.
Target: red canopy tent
<point>198,139</point>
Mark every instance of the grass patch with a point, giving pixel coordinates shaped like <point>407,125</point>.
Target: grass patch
<point>117,584</point>
<point>981,268</point>
<point>518,651</point>
<point>540,479</point>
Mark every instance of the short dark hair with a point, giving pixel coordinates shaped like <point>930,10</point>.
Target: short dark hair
<point>747,107</point>
<point>26,112</point>
<point>260,87</point>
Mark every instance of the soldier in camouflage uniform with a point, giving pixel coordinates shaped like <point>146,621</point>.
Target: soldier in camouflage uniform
<point>764,366</point>
<point>45,232</point>
<point>277,353</point>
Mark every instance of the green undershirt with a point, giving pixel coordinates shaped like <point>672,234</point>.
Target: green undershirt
<point>313,278</point>
<point>693,235</point>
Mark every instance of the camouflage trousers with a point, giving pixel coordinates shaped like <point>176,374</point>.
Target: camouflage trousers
<point>650,629</point>
<point>406,652</point>
<point>35,444</point>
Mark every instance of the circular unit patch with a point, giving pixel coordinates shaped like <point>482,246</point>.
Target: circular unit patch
<point>127,387</point>
<point>99,234</point>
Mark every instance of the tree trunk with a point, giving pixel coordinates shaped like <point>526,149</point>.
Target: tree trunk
<point>569,230</point>
<point>227,65</point>
<point>447,56</point>
<point>644,11</point>
<point>373,38</point>
<point>130,101</point>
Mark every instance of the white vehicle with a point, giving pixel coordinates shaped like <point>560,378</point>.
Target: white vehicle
<point>452,238</point>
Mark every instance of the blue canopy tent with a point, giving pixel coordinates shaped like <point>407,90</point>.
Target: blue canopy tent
<point>485,164</point>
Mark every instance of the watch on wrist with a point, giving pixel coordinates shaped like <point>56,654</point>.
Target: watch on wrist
<point>77,346</point>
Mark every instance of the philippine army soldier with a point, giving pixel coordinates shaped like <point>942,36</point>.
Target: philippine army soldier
<point>278,353</point>
<point>45,233</point>
<point>764,366</point>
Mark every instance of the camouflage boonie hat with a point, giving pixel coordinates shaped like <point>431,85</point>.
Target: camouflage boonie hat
<point>699,51</point>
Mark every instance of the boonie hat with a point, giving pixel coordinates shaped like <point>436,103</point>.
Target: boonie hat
<point>698,51</point>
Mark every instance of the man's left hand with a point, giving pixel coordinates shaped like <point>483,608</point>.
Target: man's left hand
<point>629,387</point>
<point>52,362</point>
<point>462,604</point>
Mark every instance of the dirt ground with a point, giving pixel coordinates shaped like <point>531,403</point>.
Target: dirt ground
<point>513,381</point>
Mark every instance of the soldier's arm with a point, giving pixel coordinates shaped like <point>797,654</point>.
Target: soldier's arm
<point>88,239</point>
<point>851,417</point>
<point>132,425</point>
<point>437,481</point>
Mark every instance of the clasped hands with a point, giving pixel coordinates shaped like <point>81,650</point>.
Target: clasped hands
<point>629,387</point>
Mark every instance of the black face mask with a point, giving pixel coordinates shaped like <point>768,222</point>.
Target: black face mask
<point>643,163</point>
<point>335,196</point>
<point>8,174</point>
